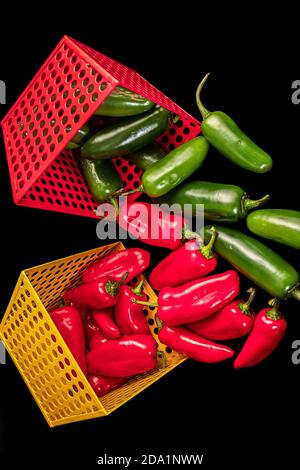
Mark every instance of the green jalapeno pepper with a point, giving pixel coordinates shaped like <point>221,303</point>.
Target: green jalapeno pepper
<point>257,262</point>
<point>175,167</point>
<point>280,225</point>
<point>147,156</point>
<point>222,202</point>
<point>224,134</point>
<point>122,102</point>
<point>72,146</point>
<point>102,179</point>
<point>127,135</point>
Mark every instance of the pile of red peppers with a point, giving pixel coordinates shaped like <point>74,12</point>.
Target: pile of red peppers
<point>103,323</point>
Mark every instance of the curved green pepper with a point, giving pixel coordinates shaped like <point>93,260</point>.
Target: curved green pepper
<point>102,179</point>
<point>128,135</point>
<point>175,167</point>
<point>122,102</point>
<point>224,134</point>
<point>72,146</point>
<point>257,262</point>
<point>280,225</point>
<point>147,156</point>
<point>222,202</point>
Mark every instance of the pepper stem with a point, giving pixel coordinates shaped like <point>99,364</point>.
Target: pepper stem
<point>143,302</point>
<point>162,355</point>
<point>245,306</point>
<point>295,293</point>
<point>204,112</point>
<point>274,314</point>
<point>159,323</point>
<point>249,204</point>
<point>188,234</point>
<point>138,290</point>
<point>140,189</point>
<point>115,205</point>
<point>206,250</point>
<point>112,287</point>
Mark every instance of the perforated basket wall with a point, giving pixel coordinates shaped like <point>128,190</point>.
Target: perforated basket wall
<point>43,359</point>
<point>63,95</point>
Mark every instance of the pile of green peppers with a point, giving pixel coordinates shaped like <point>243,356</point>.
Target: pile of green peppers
<point>128,125</point>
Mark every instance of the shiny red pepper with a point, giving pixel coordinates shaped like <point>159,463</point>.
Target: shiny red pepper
<point>234,320</point>
<point>103,385</point>
<point>129,315</point>
<point>98,294</point>
<point>96,340</point>
<point>68,322</point>
<point>188,262</point>
<point>133,261</point>
<point>149,224</point>
<point>196,299</point>
<point>92,332</point>
<point>123,357</point>
<point>106,323</point>
<point>268,331</point>
<point>186,342</point>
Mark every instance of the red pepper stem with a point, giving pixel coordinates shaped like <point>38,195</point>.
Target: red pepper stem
<point>140,189</point>
<point>112,287</point>
<point>206,250</point>
<point>204,112</point>
<point>245,306</point>
<point>159,323</point>
<point>188,234</point>
<point>143,302</point>
<point>138,290</point>
<point>162,355</point>
<point>251,204</point>
<point>274,314</point>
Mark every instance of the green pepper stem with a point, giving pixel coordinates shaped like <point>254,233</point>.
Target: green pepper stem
<point>140,189</point>
<point>295,293</point>
<point>206,250</point>
<point>274,314</point>
<point>249,204</point>
<point>158,322</point>
<point>143,302</point>
<point>115,205</point>
<point>245,306</point>
<point>204,112</point>
<point>162,355</point>
<point>137,290</point>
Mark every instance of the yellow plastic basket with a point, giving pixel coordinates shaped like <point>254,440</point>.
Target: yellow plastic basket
<point>47,366</point>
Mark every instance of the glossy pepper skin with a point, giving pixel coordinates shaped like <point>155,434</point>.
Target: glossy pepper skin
<point>234,320</point>
<point>132,261</point>
<point>127,135</point>
<point>123,102</point>
<point>106,323</point>
<point>123,357</point>
<point>147,156</point>
<point>186,342</point>
<point>175,167</point>
<point>268,331</point>
<point>280,225</point>
<point>224,134</point>
<point>222,202</point>
<point>69,323</point>
<point>102,179</point>
<point>129,315</point>
<point>102,293</point>
<point>256,261</point>
<point>103,385</point>
<point>188,262</point>
<point>149,224</point>
<point>197,299</point>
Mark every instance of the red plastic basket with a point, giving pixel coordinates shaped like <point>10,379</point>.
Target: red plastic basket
<point>63,95</point>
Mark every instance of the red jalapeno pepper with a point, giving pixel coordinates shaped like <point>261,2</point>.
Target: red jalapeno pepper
<point>96,340</point>
<point>188,262</point>
<point>123,357</point>
<point>196,299</point>
<point>102,293</point>
<point>92,331</point>
<point>234,320</point>
<point>268,331</point>
<point>106,323</point>
<point>103,385</point>
<point>129,315</point>
<point>186,342</point>
<point>68,322</point>
<point>149,224</point>
<point>132,261</point>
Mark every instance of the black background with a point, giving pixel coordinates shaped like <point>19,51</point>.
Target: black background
<point>233,417</point>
